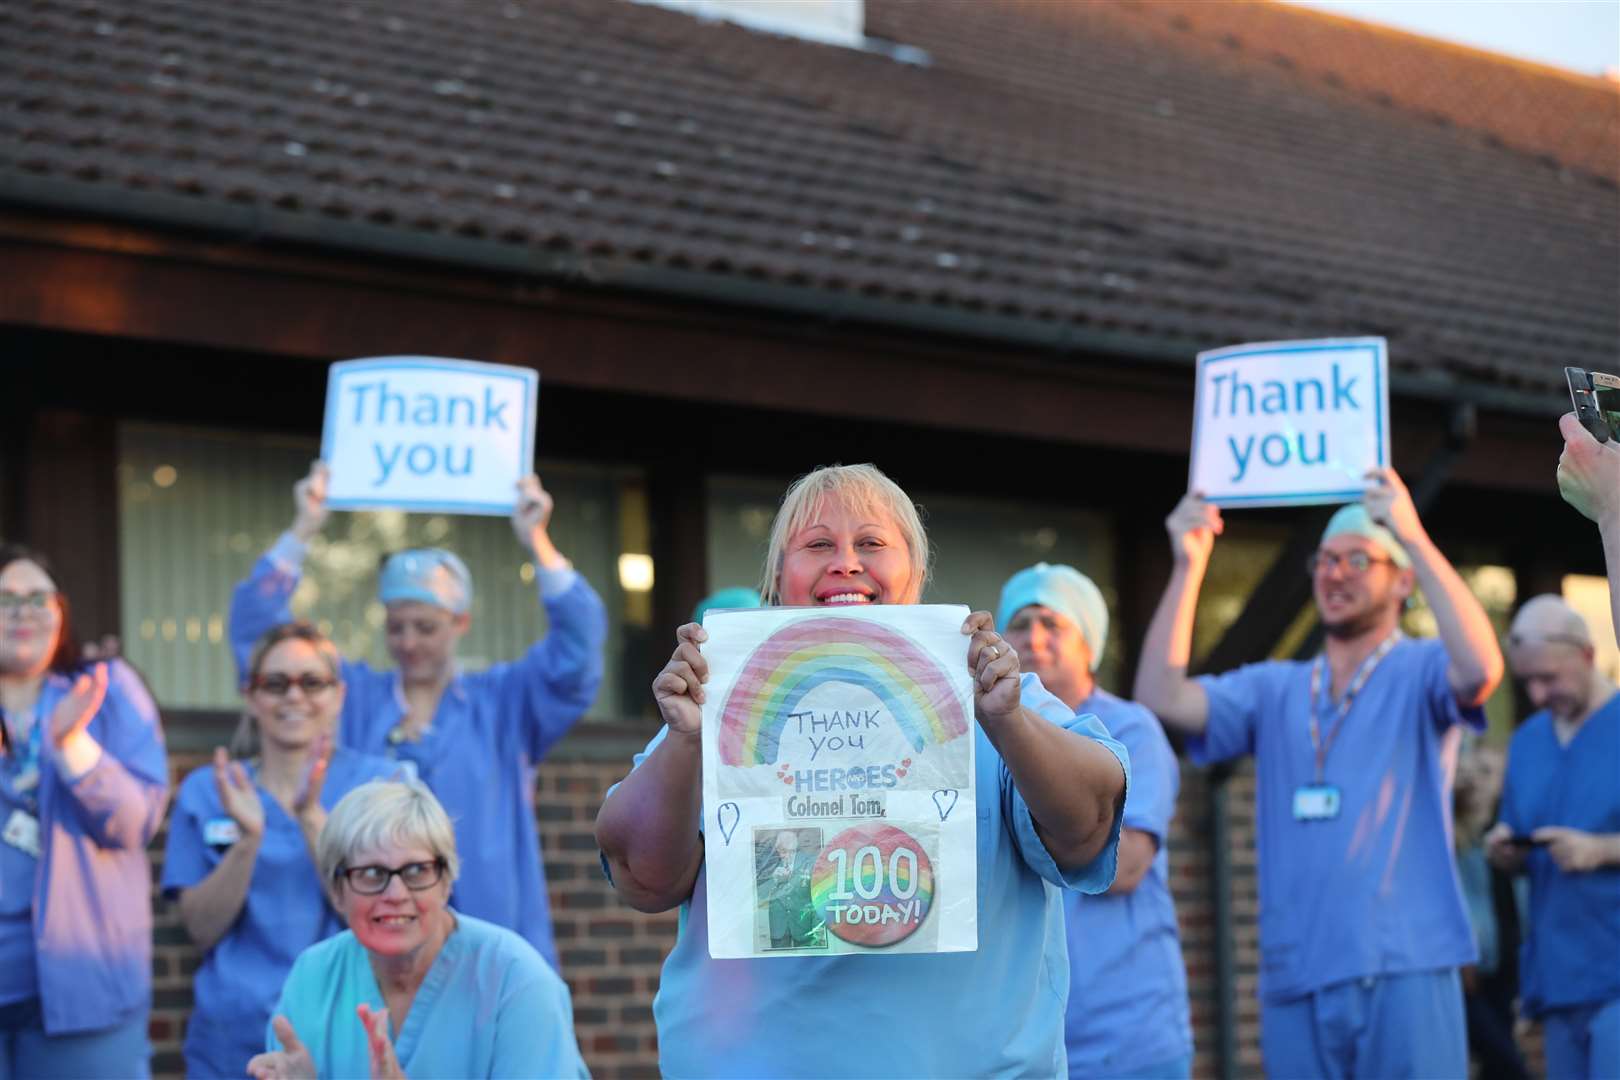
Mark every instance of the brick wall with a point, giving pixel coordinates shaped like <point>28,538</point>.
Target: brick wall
<point>611,955</point>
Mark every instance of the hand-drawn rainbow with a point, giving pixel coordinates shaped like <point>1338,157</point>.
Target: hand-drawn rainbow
<point>817,650</point>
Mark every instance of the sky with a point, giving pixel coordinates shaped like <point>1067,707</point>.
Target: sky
<point>1580,35</point>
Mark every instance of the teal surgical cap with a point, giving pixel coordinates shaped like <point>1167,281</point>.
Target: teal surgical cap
<point>1066,591</point>
<point>429,576</point>
<point>1353,520</point>
<point>734,597</point>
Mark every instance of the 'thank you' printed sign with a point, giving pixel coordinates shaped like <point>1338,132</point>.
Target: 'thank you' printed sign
<point>838,787</point>
<point>1288,423</point>
<point>428,434</point>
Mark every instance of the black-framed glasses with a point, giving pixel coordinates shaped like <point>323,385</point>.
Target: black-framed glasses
<point>282,685</point>
<point>371,880</point>
<point>1357,562</point>
<point>12,603</point>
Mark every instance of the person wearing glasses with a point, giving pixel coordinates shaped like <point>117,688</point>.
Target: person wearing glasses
<point>242,841</point>
<point>1362,923</point>
<point>1560,825</point>
<point>474,738</point>
<point>83,785</point>
<point>413,987</point>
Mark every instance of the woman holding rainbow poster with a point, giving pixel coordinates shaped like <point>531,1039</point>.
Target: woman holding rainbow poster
<point>1050,789</point>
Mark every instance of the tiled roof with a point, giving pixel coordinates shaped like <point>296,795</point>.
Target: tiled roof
<point>1170,174</point>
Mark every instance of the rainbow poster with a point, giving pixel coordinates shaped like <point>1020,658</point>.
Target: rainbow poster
<point>838,782</point>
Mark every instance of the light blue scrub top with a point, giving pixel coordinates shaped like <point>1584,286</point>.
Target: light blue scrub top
<point>994,1012</point>
<point>285,912</point>
<point>1127,980</point>
<point>1571,952</point>
<point>491,730</point>
<point>1374,890</point>
<point>489,1007</point>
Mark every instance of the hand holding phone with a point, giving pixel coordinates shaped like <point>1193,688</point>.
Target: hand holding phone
<point>1596,398</point>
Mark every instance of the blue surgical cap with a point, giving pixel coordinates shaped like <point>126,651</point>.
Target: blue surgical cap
<point>734,597</point>
<point>429,576</point>
<point>1353,520</point>
<point>1066,591</point>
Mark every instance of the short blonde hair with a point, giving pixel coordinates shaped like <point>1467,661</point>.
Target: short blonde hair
<point>859,486</point>
<point>401,811</point>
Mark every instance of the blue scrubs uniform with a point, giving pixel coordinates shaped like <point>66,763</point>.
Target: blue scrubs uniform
<point>1569,973</point>
<point>491,730</point>
<point>1128,1013</point>
<point>488,1007</point>
<point>76,917</point>
<point>994,1012</point>
<point>1369,893</point>
<point>285,911</point>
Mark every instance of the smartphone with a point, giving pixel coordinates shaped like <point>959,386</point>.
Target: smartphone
<point>1524,843</point>
<point>1596,398</point>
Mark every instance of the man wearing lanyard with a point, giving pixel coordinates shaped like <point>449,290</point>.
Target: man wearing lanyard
<point>1362,923</point>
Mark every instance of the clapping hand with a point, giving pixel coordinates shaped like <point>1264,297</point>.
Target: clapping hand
<point>306,805</point>
<point>291,1062</point>
<point>79,706</point>
<point>380,1048</point>
<point>238,795</point>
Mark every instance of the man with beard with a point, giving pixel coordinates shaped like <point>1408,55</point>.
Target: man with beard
<point>1362,924</point>
<point>1560,824</point>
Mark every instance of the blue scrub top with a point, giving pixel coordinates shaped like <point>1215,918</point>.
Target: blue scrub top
<point>1127,980</point>
<point>488,1007</point>
<point>1571,953</point>
<point>994,1012</point>
<point>491,730</point>
<point>285,912</point>
<point>1374,890</point>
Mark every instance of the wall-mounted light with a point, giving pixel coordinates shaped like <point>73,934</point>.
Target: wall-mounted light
<point>635,573</point>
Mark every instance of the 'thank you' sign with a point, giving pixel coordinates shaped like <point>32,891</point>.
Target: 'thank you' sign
<point>1288,423</point>
<point>428,434</point>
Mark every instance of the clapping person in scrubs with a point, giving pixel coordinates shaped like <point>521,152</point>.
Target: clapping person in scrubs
<point>1128,1013</point>
<point>1050,787</point>
<point>413,987</point>
<point>1362,924</point>
<point>83,784</point>
<point>474,738</point>
<point>241,854</point>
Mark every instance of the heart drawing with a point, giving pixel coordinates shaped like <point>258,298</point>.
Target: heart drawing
<point>945,802</point>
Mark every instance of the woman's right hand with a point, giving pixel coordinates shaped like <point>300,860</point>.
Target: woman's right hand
<point>309,503</point>
<point>678,689</point>
<point>291,1062</point>
<point>1193,526</point>
<point>238,795</point>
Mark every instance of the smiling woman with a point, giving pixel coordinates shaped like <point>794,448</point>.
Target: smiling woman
<point>412,987</point>
<point>1050,788</point>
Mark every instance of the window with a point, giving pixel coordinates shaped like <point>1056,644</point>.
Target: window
<point>197,508</point>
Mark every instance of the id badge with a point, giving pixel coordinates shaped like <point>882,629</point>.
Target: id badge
<point>1316,802</point>
<point>22,832</point>
<point>221,832</point>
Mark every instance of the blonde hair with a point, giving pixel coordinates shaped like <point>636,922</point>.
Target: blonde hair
<point>401,811</point>
<point>245,741</point>
<point>862,487</point>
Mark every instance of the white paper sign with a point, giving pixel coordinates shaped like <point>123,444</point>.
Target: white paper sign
<point>838,788</point>
<point>1286,423</point>
<point>428,434</point>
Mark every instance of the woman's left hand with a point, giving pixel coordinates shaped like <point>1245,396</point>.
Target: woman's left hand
<point>384,1062</point>
<point>75,711</point>
<point>995,669</point>
<point>307,803</point>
